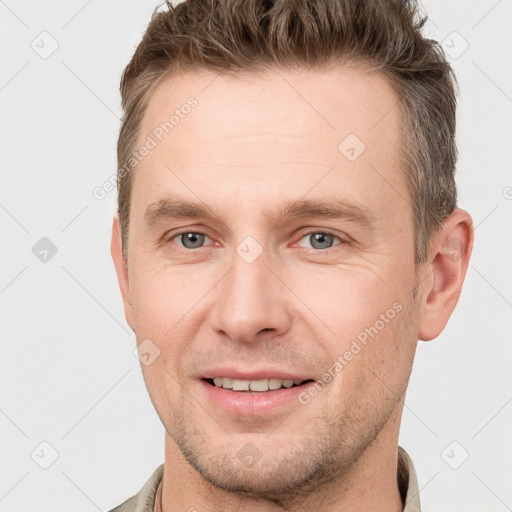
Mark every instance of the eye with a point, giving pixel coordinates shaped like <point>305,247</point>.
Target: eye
<point>320,239</point>
<point>190,239</point>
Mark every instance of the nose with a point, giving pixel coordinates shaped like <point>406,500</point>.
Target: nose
<point>250,302</point>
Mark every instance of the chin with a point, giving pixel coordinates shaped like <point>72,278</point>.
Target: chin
<point>275,479</point>
<point>274,471</point>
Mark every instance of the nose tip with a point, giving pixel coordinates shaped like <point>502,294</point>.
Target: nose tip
<point>250,303</point>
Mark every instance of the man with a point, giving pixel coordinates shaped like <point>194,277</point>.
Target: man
<point>287,231</point>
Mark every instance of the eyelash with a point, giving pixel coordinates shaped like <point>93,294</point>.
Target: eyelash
<point>313,231</point>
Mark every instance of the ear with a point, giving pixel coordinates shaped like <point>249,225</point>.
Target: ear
<point>445,272</point>
<point>121,265</point>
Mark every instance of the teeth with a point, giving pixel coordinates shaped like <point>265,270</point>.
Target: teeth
<point>274,383</point>
<point>241,385</point>
<point>227,383</point>
<point>258,385</point>
<point>254,385</point>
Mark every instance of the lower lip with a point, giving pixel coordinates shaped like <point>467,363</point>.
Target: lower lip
<point>252,404</point>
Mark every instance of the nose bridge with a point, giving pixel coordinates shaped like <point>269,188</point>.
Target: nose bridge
<point>249,299</point>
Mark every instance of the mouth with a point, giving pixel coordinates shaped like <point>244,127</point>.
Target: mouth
<point>254,396</point>
<point>254,386</point>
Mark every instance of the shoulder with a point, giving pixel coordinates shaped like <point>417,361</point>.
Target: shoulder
<point>144,500</point>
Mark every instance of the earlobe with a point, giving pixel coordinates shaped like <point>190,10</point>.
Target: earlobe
<point>121,266</point>
<point>448,263</point>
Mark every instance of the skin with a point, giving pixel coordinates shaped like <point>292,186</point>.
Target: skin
<point>247,148</point>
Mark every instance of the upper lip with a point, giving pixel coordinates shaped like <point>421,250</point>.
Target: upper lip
<point>234,373</point>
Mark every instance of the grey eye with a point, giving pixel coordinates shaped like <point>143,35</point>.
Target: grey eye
<point>319,240</point>
<point>191,240</point>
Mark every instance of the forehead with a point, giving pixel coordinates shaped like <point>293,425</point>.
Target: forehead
<point>254,138</point>
<point>317,106</point>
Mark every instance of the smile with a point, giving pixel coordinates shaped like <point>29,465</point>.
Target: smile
<point>254,397</point>
<point>259,386</point>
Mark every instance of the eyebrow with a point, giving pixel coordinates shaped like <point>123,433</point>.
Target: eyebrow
<point>328,208</point>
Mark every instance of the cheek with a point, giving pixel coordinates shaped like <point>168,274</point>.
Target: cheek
<point>165,308</point>
<point>375,365</point>
<point>164,299</point>
<point>368,325</point>
<point>347,300</point>
<point>163,382</point>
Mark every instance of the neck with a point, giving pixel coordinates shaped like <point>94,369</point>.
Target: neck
<point>369,484</point>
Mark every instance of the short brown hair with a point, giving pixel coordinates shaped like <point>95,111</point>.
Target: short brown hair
<point>240,37</point>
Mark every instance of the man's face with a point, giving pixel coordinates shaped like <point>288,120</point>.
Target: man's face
<point>254,291</point>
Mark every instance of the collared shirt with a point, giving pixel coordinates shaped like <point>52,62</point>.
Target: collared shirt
<point>149,497</point>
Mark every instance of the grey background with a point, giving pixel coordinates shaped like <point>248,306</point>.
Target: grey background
<point>68,374</point>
